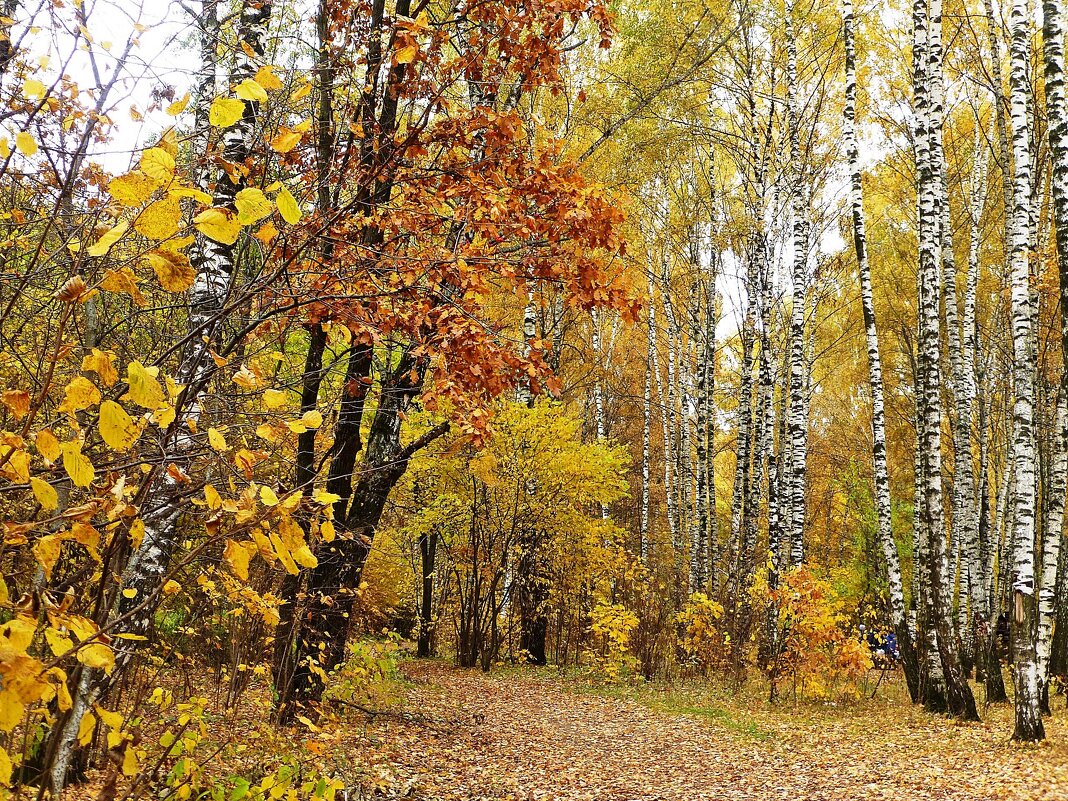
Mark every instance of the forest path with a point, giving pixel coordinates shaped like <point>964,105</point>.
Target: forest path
<point>529,735</point>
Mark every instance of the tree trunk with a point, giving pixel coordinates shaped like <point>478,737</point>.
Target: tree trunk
<point>798,423</point>
<point>428,547</point>
<point>647,414</point>
<point>1053,31</point>
<point>927,89</point>
<point>1028,718</point>
<point>883,506</point>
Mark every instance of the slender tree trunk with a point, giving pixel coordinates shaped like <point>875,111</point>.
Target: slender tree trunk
<point>428,547</point>
<point>881,474</point>
<point>1028,718</point>
<point>647,414</point>
<point>699,335</point>
<point>798,423</point>
<point>674,413</point>
<point>928,110</point>
<point>1051,547</point>
<point>1053,32</point>
<point>524,392</point>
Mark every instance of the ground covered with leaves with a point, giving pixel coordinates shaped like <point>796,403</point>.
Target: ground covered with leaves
<point>538,735</point>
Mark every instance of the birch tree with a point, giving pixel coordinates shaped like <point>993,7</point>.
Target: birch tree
<point>1024,608</point>
<point>928,113</point>
<point>883,506</point>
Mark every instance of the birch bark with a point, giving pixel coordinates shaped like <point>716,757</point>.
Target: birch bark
<point>1028,718</point>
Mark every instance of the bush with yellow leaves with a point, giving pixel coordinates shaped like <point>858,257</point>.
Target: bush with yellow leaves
<point>810,642</point>
<point>700,637</point>
<point>611,628</point>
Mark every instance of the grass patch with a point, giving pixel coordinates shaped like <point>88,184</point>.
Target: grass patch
<point>678,701</point>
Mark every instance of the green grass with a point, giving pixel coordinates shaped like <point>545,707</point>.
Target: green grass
<point>671,700</point>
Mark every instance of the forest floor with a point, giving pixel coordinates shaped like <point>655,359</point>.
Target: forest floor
<point>536,734</point>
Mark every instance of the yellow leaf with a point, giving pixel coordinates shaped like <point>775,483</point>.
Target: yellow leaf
<point>17,401</point>
<point>217,440</point>
<point>267,495</point>
<point>16,635</point>
<point>225,111</point>
<point>132,189</point>
<point>266,78</point>
<point>97,655</point>
<point>325,498</point>
<point>274,398</point>
<point>161,219</point>
<point>287,205</point>
<point>248,89</point>
<point>171,587</point>
<point>113,720</point>
<point>212,496</point>
<point>17,467</point>
<point>252,205</point>
<point>173,270</point>
<point>48,445</point>
<point>326,531</point>
<point>266,432</point>
<point>178,106</point>
<point>101,363</point>
<point>86,535</point>
<point>47,550</point>
<point>163,416</point>
<point>145,389</point>
<point>59,642</point>
<point>107,239</point>
<point>86,727</point>
<point>285,140</point>
<point>5,147</point>
<point>80,393</point>
<point>246,379</point>
<point>312,419</point>
<point>117,428</point>
<point>283,554</point>
<point>123,281</point>
<point>158,164</point>
<point>77,464</point>
<point>129,761</point>
<point>188,191</point>
<point>26,144</point>
<point>302,92</point>
<point>407,54</point>
<point>236,558</point>
<point>63,698</point>
<point>137,533</point>
<point>5,768</point>
<point>221,225</point>
<point>45,494</point>
<point>34,89</point>
<point>11,710</point>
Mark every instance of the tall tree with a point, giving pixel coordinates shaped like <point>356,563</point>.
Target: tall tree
<point>883,506</point>
<point>929,113</point>
<point>1024,607</point>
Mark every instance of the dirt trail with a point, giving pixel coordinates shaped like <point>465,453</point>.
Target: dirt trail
<point>466,735</point>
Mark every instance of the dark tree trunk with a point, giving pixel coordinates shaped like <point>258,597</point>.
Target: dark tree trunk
<point>428,546</point>
<point>334,583</point>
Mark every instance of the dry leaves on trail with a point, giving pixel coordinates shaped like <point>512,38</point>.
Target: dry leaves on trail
<point>528,736</point>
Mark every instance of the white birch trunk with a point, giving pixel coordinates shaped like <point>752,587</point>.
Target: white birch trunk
<point>880,471</point>
<point>1028,718</point>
